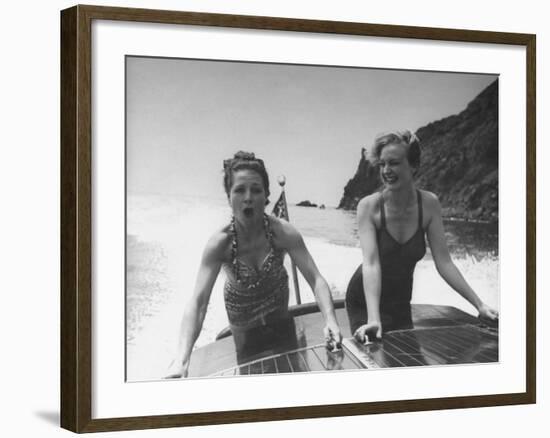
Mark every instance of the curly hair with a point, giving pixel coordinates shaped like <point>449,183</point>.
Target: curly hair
<point>244,161</point>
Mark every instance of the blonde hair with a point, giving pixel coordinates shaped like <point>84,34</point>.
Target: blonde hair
<point>406,138</point>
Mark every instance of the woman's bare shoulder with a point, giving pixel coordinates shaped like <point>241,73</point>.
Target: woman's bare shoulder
<point>431,206</point>
<point>218,244</point>
<point>368,206</point>
<point>284,233</point>
<point>428,196</point>
<point>429,199</point>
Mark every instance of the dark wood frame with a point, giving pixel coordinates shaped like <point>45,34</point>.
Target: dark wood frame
<point>76,217</point>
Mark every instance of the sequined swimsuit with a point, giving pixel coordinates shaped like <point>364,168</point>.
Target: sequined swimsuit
<point>255,297</point>
<point>256,302</point>
<point>397,262</point>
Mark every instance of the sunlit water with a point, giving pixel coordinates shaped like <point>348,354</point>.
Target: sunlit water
<point>166,236</point>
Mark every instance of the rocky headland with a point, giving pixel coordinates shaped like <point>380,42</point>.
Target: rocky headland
<point>459,162</point>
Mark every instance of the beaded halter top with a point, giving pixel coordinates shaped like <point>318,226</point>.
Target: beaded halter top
<point>252,295</point>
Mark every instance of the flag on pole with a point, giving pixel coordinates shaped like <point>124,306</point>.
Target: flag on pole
<point>280,209</point>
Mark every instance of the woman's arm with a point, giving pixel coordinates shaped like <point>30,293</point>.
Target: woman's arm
<point>445,265</point>
<point>372,272</point>
<point>294,244</point>
<point>195,311</point>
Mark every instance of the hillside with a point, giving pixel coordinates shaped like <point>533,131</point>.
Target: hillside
<point>459,162</point>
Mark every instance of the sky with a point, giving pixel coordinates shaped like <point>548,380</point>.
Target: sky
<point>308,123</point>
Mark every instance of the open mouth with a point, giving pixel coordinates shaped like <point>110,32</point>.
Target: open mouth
<point>390,179</point>
<point>248,212</point>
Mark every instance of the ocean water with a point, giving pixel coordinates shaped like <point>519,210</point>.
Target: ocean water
<point>166,236</point>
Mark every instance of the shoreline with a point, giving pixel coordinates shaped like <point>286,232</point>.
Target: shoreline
<point>467,217</point>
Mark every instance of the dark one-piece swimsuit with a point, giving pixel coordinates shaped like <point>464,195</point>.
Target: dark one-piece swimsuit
<point>397,262</point>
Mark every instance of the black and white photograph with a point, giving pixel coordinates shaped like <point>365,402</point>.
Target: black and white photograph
<point>286,218</point>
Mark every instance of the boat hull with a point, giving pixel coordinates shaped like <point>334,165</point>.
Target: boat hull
<point>441,335</point>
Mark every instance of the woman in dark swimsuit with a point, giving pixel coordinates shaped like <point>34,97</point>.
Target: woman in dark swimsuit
<point>392,225</point>
<point>251,249</point>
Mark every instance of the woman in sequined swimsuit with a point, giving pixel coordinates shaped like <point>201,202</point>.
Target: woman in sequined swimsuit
<point>392,225</point>
<point>251,250</point>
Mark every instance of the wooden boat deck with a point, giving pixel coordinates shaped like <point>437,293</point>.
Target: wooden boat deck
<point>441,335</point>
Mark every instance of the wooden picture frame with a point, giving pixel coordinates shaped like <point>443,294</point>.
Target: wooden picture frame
<point>76,217</point>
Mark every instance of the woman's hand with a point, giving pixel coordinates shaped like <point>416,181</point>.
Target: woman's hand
<point>369,332</point>
<point>333,337</point>
<point>177,370</point>
<point>487,313</point>
<point>294,243</point>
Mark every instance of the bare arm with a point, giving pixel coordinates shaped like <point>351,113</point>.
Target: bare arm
<point>372,272</point>
<point>445,265</point>
<point>300,255</point>
<point>195,311</point>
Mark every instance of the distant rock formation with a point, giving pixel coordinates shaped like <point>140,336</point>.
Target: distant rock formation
<point>306,204</point>
<point>364,182</point>
<point>459,162</point>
